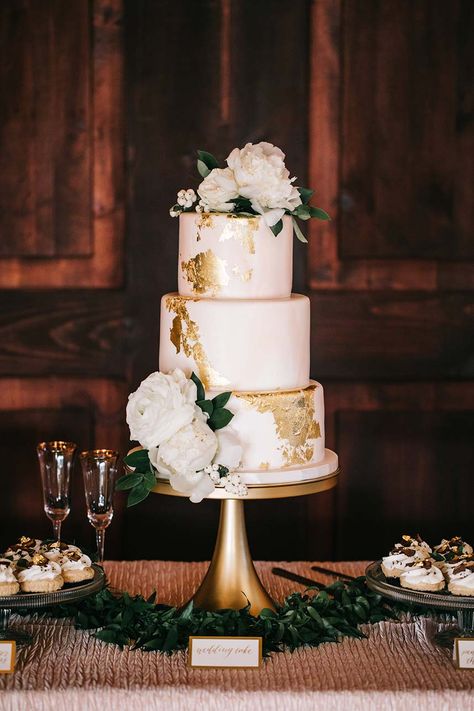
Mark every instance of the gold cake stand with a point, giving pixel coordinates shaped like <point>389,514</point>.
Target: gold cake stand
<point>231,581</point>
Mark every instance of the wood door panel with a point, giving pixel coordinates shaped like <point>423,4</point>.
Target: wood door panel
<point>61,138</point>
<point>406,456</point>
<point>392,335</point>
<point>76,333</point>
<point>406,472</point>
<point>391,145</point>
<point>44,210</point>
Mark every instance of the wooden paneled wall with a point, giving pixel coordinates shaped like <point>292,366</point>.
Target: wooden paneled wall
<point>105,104</point>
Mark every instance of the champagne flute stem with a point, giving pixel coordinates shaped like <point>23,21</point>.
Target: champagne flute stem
<point>100,538</point>
<point>57,530</point>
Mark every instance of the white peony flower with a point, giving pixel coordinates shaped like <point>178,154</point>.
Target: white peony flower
<point>217,189</point>
<point>187,451</point>
<point>262,177</point>
<point>160,407</point>
<point>229,449</point>
<point>196,485</point>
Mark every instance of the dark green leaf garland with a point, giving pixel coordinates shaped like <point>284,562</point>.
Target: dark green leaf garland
<point>304,619</point>
<point>141,481</point>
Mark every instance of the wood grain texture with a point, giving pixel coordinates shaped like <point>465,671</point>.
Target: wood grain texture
<point>406,457</point>
<point>77,333</point>
<point>388,118</point>
<point>391,335</point>
<point>61,129</point>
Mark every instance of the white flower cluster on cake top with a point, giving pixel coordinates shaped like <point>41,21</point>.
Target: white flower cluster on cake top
<point>254,182</point>
<point>185,439</point>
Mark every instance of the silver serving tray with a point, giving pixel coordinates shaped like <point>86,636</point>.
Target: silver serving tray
<point>71,592</point>
<point>442,600</point>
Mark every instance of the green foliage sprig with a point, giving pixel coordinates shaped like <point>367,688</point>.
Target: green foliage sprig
<point>304,619</point>
<point>218,416</point>
<point>207,162</point>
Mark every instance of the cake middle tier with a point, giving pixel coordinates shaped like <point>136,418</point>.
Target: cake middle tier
<point>249,345</point>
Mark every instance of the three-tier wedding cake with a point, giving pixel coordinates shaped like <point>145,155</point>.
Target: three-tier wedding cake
<point>232,404</point>
<point>237,325</point>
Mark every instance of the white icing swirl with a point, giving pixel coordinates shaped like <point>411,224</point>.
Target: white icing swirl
<point>40,572</point>
<point>6,573</point>
<point>395,561</point>
<point>83,562</point>
<point>420,575</point>
<point>57,554</point>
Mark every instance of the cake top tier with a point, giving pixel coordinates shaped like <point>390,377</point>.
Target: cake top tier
<point>234,257</point>
<point>235,230</point>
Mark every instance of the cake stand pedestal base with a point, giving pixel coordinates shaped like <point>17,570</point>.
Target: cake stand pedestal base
<point>231,580</point>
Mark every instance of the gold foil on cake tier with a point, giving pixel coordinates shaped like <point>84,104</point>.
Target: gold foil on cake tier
<point>242,229</point>
<point>206,272</point>
<point>293,412</point>
<point>244,276</point>
<point>204,220</point>
<point>184,335</point>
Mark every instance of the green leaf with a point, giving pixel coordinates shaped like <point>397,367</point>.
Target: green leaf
<point>203,170</point>
<point>220,418</point>
<point>277,228</point>
<point>302,211</point>
<point>298,231</point>
<point>137,494</point>
<point>138,458</point>
<point>319,214</point>
<point>128,481</point>
<point>208,160</point>
<point>305,194</point>
<point>221,400</point>
<point>201,394</point>
<point>149,478</point>
<point>206,406</point>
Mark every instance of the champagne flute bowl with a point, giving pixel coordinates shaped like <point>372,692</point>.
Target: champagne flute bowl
<point>56,461</point>
<point>99,469</point>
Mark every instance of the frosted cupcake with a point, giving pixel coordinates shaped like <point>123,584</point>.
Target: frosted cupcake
<point>452,549</point>
<point>403,554</point>
<point>76,567</point>
<point>461,577</point>
<point>424,576</point>
<point>8,583</point>
<point>40,575</point>
<point>56,550</point>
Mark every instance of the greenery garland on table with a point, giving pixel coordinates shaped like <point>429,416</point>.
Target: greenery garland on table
<point>304,619</point>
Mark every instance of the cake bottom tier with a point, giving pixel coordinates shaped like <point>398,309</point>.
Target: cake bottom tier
<point>279,429</point>
<point>292,475</point>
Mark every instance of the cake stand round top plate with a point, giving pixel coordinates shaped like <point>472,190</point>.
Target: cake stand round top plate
<point>259,491</point>
<point>377,581</point>
<point>72,593</point>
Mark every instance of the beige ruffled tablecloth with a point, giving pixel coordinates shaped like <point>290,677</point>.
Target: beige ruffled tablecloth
<point>397,668</point>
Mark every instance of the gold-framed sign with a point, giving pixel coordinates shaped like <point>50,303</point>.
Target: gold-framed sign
<point>7,656</point>
<point>225,652</point>
<point>464,652</point>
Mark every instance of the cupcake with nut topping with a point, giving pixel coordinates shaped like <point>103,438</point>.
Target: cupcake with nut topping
<point>25,548</point>
<point>8,583</point>
<point>39,575</point>
<point>460,577</point>
<point>423,575</point>
<point>409,551</point>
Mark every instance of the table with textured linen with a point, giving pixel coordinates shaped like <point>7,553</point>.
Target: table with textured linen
<point>397,667</point>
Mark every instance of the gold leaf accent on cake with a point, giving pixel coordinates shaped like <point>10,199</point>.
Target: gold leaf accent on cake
<point>204,220</point>
<point>293,413</point>
<point>206,272</point>
<point>185,336</point>
<point>244,276</point>
<point>242,229</point>
<point>264,465</point>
